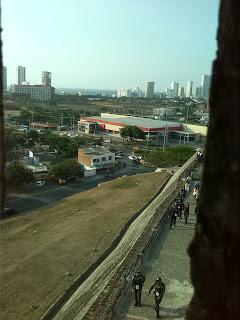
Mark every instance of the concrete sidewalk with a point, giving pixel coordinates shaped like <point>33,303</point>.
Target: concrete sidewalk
<point>168,258</point>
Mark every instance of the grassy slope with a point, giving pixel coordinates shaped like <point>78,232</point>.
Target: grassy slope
<point>38,249</point>
<point>174,156</point>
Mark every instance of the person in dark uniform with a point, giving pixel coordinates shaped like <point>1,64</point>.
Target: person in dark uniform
<point>159,290</point>
<point>186,212</point>
<point>173,215</point>
<point>197,212</point>
<point>178,206</point>
<point>137,284</point>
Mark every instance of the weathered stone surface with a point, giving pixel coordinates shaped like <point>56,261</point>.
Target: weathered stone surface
<point>214,251</point>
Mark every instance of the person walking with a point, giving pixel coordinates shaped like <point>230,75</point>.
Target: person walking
<point>173,215</point>
<point>178,208</point>
<point>186,212</point>
<point>194,192</point>
<point>159,290</point>
<point>186,187</point>
<point>137,284</point>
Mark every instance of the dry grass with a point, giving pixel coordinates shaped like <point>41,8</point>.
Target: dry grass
<point>39,249</point>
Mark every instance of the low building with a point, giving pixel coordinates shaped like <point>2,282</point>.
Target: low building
<point>32,163</point>
<point>36,92</point>
<point>163,112</point>
<point>153,128</point>
<point>98,157</point>
<point>184,136</point>
<point>87,126</point>
<point>43,125</point>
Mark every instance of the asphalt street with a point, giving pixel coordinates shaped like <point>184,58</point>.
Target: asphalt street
<point>51,194</point>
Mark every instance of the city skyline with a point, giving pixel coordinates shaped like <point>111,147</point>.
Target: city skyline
<point>174,86</point>
<point>98,51</point>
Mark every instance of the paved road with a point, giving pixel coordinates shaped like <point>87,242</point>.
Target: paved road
<point>53,194</point>
<point>168,259</point>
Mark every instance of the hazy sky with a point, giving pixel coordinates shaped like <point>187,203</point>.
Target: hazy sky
<point>109,44</point>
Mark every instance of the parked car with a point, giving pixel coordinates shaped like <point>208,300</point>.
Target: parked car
<point>118,156</point>
<point>133,158</point>
<point>6,212</point>
<point>40,184</point>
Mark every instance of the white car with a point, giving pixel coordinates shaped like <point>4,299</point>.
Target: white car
<point>133,158</point>
<point>118,156</point>
<point>40,184</point>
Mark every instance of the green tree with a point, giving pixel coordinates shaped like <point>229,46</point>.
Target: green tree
<point>72,147</point>
<point>33,135</point>
<point>66,169</point>
<point>17,174</point>
<point>138,133</point>
<point>126,132</point>
<point>132,132</point>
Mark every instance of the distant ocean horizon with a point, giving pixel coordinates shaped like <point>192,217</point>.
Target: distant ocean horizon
<point>86,91</point>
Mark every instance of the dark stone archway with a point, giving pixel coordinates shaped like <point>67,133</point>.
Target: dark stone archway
<point>214,251</point>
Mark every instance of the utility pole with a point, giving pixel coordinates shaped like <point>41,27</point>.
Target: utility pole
<point>186,125</point>
<point>73,123</point>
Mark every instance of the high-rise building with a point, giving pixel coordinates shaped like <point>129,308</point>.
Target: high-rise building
<point>4,77</point>
<point>174,88</point>
<point>189,90</point>
<point>150,89</point>
<point>46,78</point>
<point>198,93</point>
<point>36,92</point>
<point>137,92</point>
<point>21,75</point>
<point>206,81</point>
<point>181,92</point>
<point>124,93</point>
<point>169,93</point>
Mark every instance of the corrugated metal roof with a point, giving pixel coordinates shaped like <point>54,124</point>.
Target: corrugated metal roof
<point>139,122</point>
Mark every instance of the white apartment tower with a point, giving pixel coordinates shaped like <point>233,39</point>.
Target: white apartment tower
<point>174,88</point>
<point>21,75</point>
<point>206,81</point>
<point>46,78</point>
<point>150,89</point>
<point>124,93</point>
<point>181,92</point>
<point>189,89</point>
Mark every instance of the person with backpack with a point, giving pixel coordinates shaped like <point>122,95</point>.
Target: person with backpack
<point>137,284</point>
<point>159,290</point>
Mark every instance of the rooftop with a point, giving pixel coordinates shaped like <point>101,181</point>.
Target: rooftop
<point>137,121</point>
<point>97,151</point>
